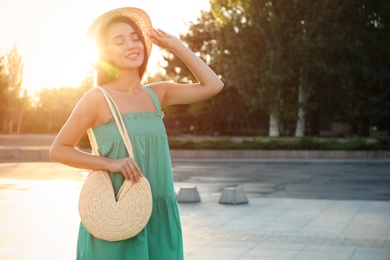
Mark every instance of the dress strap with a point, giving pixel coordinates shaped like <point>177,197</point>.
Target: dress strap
<point>154,97</point>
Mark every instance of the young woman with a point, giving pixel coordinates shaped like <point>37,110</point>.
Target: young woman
<point>124,38</point>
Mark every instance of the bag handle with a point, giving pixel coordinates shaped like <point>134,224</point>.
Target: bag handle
<point>119,122</point>
<point>126,139</point>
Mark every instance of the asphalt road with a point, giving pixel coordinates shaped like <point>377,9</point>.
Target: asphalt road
<point>345,181</point>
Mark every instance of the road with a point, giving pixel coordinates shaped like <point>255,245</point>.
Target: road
<point>348,181</point>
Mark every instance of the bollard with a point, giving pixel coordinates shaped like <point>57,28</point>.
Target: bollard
<point>188,195</point>
<point>233,195</point>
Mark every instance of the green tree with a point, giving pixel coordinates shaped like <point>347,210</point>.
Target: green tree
<point>56,105</point>
<point>366,63</point>
<point>255,37</point>
<point>219,114</point>
<point>3,91</point>
<point>16,101</point>
<point>325,59</point>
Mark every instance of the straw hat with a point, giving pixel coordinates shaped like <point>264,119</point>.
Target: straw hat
<point>113,218</point>
<point>138,16</point>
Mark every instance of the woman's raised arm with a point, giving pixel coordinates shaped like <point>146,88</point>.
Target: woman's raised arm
<point>209,82</point>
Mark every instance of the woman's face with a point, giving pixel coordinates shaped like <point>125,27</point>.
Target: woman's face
<point>124,47</point>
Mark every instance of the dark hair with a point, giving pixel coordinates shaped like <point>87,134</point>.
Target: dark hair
<point>102,76</point>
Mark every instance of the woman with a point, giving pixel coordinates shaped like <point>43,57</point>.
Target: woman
<point>124,38</point>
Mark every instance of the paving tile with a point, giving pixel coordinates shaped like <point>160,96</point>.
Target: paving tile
<point>192,245</point>
<point>320,255</point>
<point>387,243</point>
<point>240,244</point>
<point>280,246</point>
<point>228,252</point>
<point>210,257</point>
<point>331,248</point>
<point>370,253</point>
<point>372,229</point>
<point>274,254</point>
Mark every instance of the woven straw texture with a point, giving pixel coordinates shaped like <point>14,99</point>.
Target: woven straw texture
<point>140,17</point>
<point>108,217</point>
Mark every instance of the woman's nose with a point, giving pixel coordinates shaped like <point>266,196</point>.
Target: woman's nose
<point>130,45</point>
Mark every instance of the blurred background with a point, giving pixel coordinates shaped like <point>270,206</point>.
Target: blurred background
<point>292,69</point>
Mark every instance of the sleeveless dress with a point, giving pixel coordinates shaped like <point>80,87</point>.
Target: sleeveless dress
<point>161,239</point>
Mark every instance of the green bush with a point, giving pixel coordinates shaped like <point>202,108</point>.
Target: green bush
<point>383,143</point>
<point>305,143</point>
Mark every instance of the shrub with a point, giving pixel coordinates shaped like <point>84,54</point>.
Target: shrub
<point>304,143</point>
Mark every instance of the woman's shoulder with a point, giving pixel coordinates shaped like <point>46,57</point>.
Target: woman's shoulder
<point>93,95</point>
<point>159,84</point>
<point>160,87</point>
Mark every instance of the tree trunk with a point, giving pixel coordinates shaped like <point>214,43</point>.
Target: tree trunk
<point>11,122</point>
<point>300,128</point>
<point>10,126</point>
<point>50,122</point>
<point>274,125</point>
<point>20,121</point>
<point>366,125</point>
<point>314,123</point>
<point>5,124</point>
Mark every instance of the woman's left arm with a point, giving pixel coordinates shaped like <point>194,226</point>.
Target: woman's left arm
<point>209,83</point>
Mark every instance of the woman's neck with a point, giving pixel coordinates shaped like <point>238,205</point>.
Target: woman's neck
<point>126,83</point>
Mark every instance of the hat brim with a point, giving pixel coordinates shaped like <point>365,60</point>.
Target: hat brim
<point>138,16</point>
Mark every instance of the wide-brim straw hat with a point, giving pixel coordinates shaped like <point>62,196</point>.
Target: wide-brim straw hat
<point>138,16</point>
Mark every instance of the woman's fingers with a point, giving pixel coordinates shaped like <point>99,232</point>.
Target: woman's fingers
<point>135,172</point>
<point>160,33</point>
<point>132,171</point>
<point>128,167</point>
<point>161,38</point>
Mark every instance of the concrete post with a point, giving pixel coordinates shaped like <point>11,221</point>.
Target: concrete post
<point>188,195</point>
<point>233,195</point>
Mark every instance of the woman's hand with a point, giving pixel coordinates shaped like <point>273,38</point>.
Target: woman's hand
<point>127,166</point>
<point>163,39</point>
<point>172,93</point>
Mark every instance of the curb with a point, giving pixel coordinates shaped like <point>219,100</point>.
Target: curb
<point>41,153</point>
<point>281,160</point>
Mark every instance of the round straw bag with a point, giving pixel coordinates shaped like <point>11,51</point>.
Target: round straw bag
<point>108,217</point>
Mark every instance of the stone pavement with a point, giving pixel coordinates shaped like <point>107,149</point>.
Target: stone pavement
<point>39,220</point>
<point>282,229</point>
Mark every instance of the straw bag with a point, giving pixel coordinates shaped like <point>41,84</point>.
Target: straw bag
<point>108,217</point>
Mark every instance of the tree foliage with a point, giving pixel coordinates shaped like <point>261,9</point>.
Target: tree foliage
<point>268,52</point>
<point>326,58</point>
<point>11,83</point>
<point>3,89</point>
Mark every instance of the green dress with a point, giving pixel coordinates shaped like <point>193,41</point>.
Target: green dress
<point>162,237</point>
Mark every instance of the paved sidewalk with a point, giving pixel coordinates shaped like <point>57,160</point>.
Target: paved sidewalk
<point>39,220</point>
<point>283,229</point>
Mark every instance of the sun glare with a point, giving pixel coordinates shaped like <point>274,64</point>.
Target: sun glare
<point>64,56</point>
<point>53,44</point>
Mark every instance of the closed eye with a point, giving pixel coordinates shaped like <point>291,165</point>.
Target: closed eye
<point>118,40</point>
<point>135,37</point>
